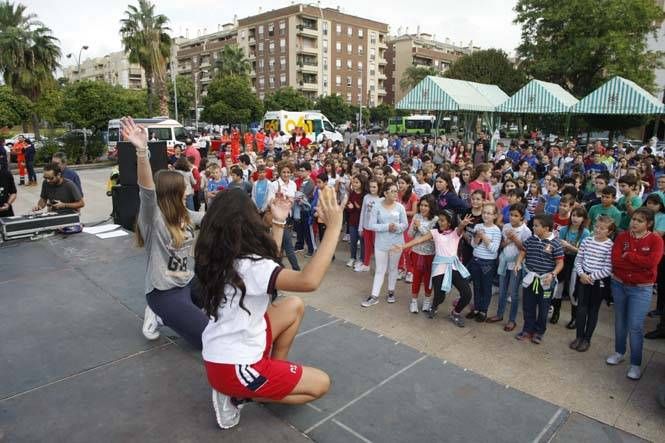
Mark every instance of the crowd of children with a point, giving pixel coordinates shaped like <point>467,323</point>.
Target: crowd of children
<point>544,223</point>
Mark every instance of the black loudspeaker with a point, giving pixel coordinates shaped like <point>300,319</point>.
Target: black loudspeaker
<point>126,204</point>
<point>127,160</point>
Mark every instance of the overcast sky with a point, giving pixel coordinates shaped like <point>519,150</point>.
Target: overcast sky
<point>488,23</point>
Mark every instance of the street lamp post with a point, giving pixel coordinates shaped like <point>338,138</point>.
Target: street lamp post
<point>78,61</point>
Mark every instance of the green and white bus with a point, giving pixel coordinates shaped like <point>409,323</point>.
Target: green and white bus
<point>411,125</point>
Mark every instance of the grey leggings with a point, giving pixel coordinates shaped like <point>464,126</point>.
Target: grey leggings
<point>179,309</point>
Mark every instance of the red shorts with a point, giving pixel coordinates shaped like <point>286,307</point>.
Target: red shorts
<point>267,378</point>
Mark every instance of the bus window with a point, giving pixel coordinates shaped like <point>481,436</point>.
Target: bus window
<point>316,125</point>
<point>327,126</point>
<point>180,134</point>
<point>161,134</point>
<point>114,134</point>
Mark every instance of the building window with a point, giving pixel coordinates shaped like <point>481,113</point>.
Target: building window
<point>338,46</point>
<point>360,82</point>
<point>349,31</point>
<point>271,47</point>
<point>271,29</point>
<point>349,81</point>
<point>282,44</point>
<point>282,24</point>
<point>261,29</point>
<point>349,48</point>
<point>325,28</point>
<point>243,33</point>
<point>271,64</point>
<point>372,54</point>
<point>271,82</point>
<point>360,50</point>
<point>325,84</point>
<point>282,79</point>
<point>360,33</point>
<point>261,64</point>
<point>348,97</point>
<point>360,97</point>
<point>325,63</point>
<point>338,64</point>
<point>260,46</point>
<point>338,80</point>
<point>349,64</point>
<point>372,38</point>
<point>360,66</point>
<point>262,82</point>
<point>325,44</point>
<point>262,95</point>
<point>338,29</point>
<point>282,62</point>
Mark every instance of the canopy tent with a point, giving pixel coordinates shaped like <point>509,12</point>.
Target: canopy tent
<point>538,97</point>
<point>619,97</point>
<point>450,95</point>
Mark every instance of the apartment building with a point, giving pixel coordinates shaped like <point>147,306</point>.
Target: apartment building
<point>197,56</point>
<point>419,49</point>
<point>318,51</point>
<point>113,68</point>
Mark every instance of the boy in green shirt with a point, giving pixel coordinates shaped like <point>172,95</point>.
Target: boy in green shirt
<point>606,207</point>
<point>630,200</point>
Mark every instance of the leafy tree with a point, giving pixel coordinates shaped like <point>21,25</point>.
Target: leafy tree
<point>91,104</point>
<point>232,61</point>
<point>580,44</point>
<point>490,66</point>
<point>230,99</point>
<point>28,53</point>
<point>14,109</point>
<point>287,99</point>
<point>185,89</point>
<point>49,103</point>
<point>146,41</point>
<point>382,113</point>
<point>415,74</point>
<point>335,108</point>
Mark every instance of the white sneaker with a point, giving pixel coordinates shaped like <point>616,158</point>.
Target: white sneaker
<point>614,359</point>
<point>227,414</point>
<point>634,373</point>
<point>409,277</point>
<point>413,306</point>
<point>361,268</point>
<point>151,324</point>
<point>400,275</point>
<point>346,237</point>
<point>371,301</point>
<point>351,263</point>
<point>391,298</point>
<point>427,304</point>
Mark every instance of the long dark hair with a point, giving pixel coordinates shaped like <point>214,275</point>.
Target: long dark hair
<point>231,229</point>
<point>406,178</point>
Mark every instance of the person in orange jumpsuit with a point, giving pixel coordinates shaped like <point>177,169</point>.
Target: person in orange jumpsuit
<point>260,141</point>
<point>235,144</point>
<point>19,150</point>
<point>249,141</point>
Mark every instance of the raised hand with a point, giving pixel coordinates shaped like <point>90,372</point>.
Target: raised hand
<point>280,206</point>
<point>328,210</point>
<point>136,134</point>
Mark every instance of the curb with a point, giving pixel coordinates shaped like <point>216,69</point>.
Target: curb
<point>100,165</point>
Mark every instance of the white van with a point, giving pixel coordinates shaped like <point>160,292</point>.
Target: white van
<point>159,128</point>
<point>315,125</point>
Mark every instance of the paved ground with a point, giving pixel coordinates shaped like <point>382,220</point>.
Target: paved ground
<point>568,389</point>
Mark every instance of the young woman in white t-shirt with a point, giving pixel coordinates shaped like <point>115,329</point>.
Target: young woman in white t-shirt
<point>250,333</point>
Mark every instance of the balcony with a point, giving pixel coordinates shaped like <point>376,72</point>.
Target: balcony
<point>303,86</point>
<point>302,49</point>
<point>307,31</point>
<point>205,63</point>
<point>252,41</point>
<point>381,92</point>
<point>382,45</point>
<point>252,55</point>
<point>184,69</point>
<point>382,61</point>
<point>311,68</point>
<point>382,76</point>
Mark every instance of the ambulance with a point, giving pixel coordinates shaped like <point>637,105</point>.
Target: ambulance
<point>314,124</point>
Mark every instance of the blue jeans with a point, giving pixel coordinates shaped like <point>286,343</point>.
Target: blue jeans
<point>189,202</point>
<point>535,307</point>
<point>287,248</point>
<point>482,272</point>
<point>353,242</point>
<point>631,304</point>
<point>509,286</point>
<point>304,235</point>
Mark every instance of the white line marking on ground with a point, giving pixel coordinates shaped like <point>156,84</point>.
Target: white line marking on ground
<point>318,327</point>
<point>351,431</point>
<point>103,365</point>
<point>445,362</point>
<point>363,395</point>
<point>548,425</point>
<point>396,343</point>
<point>314,407</point>
<point>380,335</point>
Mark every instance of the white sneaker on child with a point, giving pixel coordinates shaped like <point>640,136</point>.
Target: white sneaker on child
<point>634,373</point>
<point>351,263</point>
<point>226,413</point>
<point>413,306</point>
<point>427,304</point>
<point>409,277</point>
<point>151,324</point>
<point>614,359</point>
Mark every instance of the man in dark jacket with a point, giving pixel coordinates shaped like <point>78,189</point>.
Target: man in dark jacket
<point>30,153</point>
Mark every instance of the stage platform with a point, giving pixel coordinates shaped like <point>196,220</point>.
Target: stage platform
<point>74,367</point>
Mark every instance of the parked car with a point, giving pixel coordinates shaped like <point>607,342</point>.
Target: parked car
<point>375,130</point>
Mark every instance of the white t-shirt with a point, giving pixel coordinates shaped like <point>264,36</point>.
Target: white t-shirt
<point>288,189</point>
<point>238,337</point>
<point>510,250</point>
<point>422,189</point>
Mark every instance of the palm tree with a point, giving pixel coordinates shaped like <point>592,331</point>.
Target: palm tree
<point>145,38</point>
<point>414,74</point>
<point>28,54</point>
<point>232,61</point>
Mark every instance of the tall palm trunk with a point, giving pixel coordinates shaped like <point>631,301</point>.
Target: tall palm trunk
<point>150,88</point>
